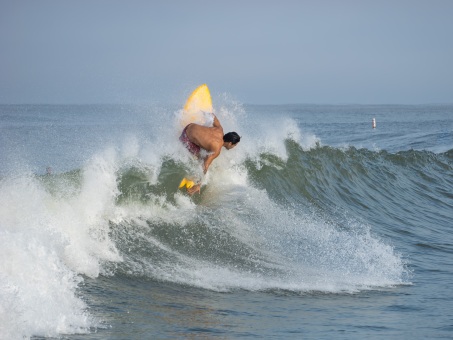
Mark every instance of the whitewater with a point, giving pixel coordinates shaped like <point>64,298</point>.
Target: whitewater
<point>316,225</point>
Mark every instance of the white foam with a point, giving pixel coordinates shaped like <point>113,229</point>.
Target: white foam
<point>309,253</point>
<point>47,241</point>
<point>33,271</point>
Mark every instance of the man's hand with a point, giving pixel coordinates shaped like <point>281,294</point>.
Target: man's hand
<point>194,189</point>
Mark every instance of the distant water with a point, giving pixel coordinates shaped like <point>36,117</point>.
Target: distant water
<point>315,226</point>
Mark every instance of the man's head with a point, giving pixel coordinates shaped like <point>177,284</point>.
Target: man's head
<point>230,139</point>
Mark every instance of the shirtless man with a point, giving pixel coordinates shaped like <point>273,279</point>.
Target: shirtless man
<point>196,137</point>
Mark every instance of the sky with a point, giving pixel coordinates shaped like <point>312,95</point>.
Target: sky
<point>258,52</point>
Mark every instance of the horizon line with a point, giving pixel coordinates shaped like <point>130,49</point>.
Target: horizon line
<point>256,104</point>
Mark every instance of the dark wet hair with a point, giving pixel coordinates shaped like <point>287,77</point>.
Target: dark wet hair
<point>232,137</point>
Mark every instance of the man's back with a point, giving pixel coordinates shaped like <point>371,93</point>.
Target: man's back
<point>208,138</point>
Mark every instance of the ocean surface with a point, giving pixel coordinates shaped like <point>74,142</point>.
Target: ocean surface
<point>315,226</point>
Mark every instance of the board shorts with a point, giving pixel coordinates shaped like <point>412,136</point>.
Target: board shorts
<point>192,147</point>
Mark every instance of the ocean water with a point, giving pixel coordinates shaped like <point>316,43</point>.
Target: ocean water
<point>315,226</point>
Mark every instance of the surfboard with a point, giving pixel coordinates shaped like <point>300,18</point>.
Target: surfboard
<point>198,109</point>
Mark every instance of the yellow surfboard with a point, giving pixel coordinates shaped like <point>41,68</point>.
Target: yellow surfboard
<point>198,109</point>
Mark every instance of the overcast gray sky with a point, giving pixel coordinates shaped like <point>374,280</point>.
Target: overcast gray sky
<point>261,52</point>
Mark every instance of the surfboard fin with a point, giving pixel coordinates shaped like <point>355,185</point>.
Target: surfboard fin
<point>186,183</point>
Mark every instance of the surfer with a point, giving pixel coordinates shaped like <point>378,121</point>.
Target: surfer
<point>196,137</point>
